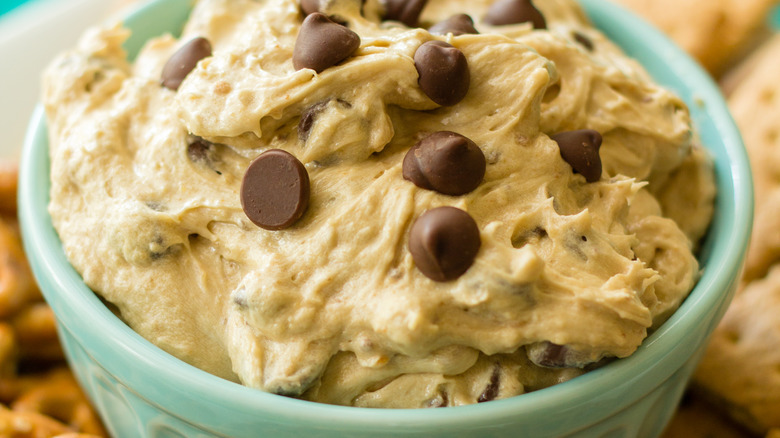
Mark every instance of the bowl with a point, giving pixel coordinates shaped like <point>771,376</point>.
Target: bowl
<point>139,390</point>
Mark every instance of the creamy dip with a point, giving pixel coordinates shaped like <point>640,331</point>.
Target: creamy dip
<point>333,307</point>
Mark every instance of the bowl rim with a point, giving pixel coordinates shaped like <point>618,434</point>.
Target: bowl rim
<point>117,340</point>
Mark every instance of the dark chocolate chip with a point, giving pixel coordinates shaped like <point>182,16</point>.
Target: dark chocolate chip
<point>310,114</point>
<point>307,119</point>
<point>200,151</point>
<point>323,43</point>
<point>513,12</point>
<point>583,40</point>
<point>458,24</point>
<point>446,162</point>
<point>444,242</point>
<point>548,354</point>
<point>310,6</point>
<point>444,72</point>
<point>491,391</point>
<point>183,61</point>
<point>275,190</point>
<point>406,11</point>
<point>580,149</point>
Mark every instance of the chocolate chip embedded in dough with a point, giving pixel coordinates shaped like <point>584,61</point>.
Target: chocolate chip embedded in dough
<point>275,190</point>
<point>583,40</point>
<point>183,61</point>
<point>458,24</point>
<point>580,149</point>
<point>323,43</point>
<point>444,72</point>
<point>307,119</point>
<point>446,162</point>
<point>491,391</point>
<point>551,355</point>
<point>504,12</point>
<point>406,11</point>
<point>548,354</point>
<point>199,151</point>
<point>444,242</point>
<point>310,6</point>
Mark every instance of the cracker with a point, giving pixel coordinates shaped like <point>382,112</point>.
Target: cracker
<point>715,32</point>
<point>740,370</point>
<point>755,105</point>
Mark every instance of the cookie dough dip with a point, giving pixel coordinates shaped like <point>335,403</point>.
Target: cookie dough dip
<point>384,203</point>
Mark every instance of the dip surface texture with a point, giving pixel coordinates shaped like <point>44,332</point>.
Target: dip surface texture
<point>560,274</point>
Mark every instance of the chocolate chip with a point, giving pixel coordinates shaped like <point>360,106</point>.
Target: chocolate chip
<point>310,114</point>
<point>183,61</point>
<point>548,354</point>
<point>491,391</point>
<point>275,190</point>
<point>583,40</point>
<point>198,150</point>
<point>446,162</point>
<point>323,43</point>
<point>405,11</point>
<point>444,72</point>
<point>457,25</point>
<point>203,152</point>
<point>513,12</point>
<point>307,119</point>
<point>444,242</point>
<point>310,6</point>
<point>580,149</point>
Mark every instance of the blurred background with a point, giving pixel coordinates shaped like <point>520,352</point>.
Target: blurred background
<point>31,33</point>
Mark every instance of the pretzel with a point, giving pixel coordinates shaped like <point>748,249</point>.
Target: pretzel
<point>9,173</point>
<point>34,405</point>
<point>29,425</point>
<point>36,333</point>
<point>17,287</point>
<point>76,435</point>
<point>8,350</point>
<point>58,395</point>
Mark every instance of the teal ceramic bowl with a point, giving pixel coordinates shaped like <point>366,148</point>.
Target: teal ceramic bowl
<point>140,390</point>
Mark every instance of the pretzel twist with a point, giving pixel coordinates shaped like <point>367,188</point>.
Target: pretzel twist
<point>32,405</point>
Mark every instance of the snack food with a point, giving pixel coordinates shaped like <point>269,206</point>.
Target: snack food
<point>755,105</point>
<point>333,305</point>
<point>38,395</point>
<point>715,32</point>
<point>753,398</point>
